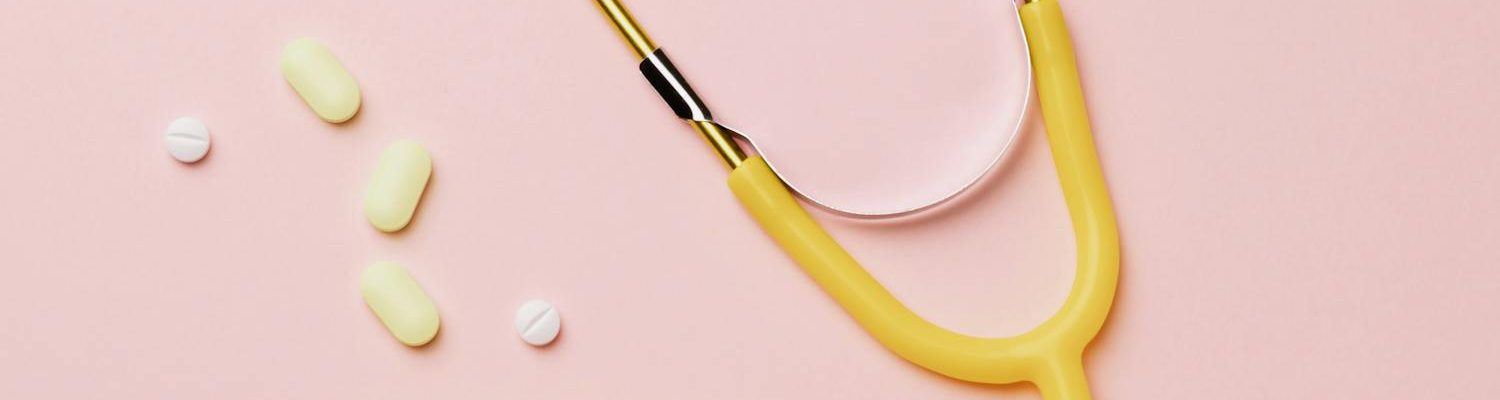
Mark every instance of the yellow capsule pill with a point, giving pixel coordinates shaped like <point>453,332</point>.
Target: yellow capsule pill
<point>399,303</point>
<point>398,185</point>
<point>321,81</point>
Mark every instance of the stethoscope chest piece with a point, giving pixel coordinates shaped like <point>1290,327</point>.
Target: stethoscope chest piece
<point>921,136</point>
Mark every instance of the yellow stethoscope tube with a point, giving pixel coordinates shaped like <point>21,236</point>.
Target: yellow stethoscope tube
<point>1049,355</point>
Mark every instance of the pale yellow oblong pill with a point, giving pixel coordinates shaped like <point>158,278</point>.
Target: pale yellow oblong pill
<point>320,79</point>
<point>399,303</point>
<point>398,185</point>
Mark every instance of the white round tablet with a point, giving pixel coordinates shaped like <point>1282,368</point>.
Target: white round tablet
<point>537,322</point>
<point>187,139</point>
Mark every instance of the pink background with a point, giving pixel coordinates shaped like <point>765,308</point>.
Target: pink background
<point>1307,195</point>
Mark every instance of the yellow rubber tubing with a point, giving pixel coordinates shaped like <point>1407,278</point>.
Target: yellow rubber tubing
<point>1049,355</point>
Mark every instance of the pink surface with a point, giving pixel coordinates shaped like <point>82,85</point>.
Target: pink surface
<point>1306,193</point>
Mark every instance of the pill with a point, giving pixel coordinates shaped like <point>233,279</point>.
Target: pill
<point>321,81</point>
<point>398,185</point>
<point>537,322</point>
<point>400,304</point>
<point>187,139</point>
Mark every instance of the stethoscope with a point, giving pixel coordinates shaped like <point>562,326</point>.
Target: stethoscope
<point>1049,355</point>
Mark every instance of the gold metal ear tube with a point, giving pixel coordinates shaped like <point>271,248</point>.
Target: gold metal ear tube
<point>718,138</point>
